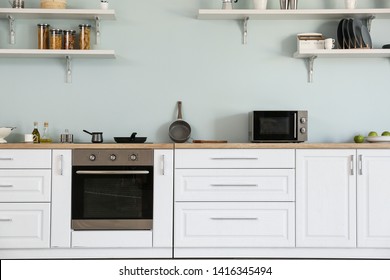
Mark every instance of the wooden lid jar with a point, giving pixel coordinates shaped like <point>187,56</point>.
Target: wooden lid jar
<point>53,4</point>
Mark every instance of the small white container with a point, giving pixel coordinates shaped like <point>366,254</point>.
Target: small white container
<point>104,5</point>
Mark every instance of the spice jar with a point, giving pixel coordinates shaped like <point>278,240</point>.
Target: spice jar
<point>85,36</point>
<point>69,39</point>
<point>43,36</point>
<point>55,39</point>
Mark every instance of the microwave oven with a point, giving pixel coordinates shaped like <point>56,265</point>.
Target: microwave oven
<point>278,126</point>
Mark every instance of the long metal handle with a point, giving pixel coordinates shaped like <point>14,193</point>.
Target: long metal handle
<point>360,164</point>
<point>5,220</point>
<point>163,165</point>
<point>6,159</point>
<point>6,186</point>
<point>234,185</point>
<point>352,165</point>
<point>234,218</point>
<point>234,158</point>
<point>295,125</point>
<point>109,172</point>
<point>61,165</point>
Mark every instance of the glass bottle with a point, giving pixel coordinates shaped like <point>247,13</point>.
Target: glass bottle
<point>43,36</point>
<point>35,132</point>
<point>85,36</point>
<point>69,39</point>
<point>55,39</point>
<point>45,137</point>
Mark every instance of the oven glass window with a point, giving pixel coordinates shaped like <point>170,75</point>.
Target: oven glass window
<point>274,125</point>
<point>112,196</point>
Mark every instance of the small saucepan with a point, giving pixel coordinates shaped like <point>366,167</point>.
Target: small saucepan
<point>97,137</point>
<point>179,130</point>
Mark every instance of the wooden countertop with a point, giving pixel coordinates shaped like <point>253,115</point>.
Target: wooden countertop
<point>198,146</point>
<point>72,146</point>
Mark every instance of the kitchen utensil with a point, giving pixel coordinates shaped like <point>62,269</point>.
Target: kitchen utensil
<point>4,132</point>
<point>340,38</point>
<point>375,139</point>
<point>228,4</point>
<point>97,137</point>
<point>131,139</point>
<point>179,130</point>
<point>18,4</point>
<point>209,141</point>
<point>66,137</point>
<point>288,4</point>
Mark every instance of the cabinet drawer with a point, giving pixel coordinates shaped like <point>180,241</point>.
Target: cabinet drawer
<point>234,185</point>
<point>231,224</point>
<point>24,225</point>
<point>235,158</point>
<point>25,159</point>
<point>25,185</point>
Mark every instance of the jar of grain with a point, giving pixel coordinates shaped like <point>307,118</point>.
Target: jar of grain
<point>85,36</point>
<point>43,36</point>
<point>69,39</point>
<point>55,39</point>
<point>53,4</point>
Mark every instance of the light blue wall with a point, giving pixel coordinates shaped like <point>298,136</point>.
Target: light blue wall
<point>165,54</point>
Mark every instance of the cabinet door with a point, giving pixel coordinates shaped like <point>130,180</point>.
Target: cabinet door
<point>373,198</point>
<point>234,224</point>
<point>163,198</point>
<point>326,198</point>
<point>61,198</point>
<point>24,225</point>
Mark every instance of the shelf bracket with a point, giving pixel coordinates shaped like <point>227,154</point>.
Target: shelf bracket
<point>68,69</point>
<point>245,31</point>
<point>97,27</point>
<point>11,21</point>
<point>368,21</point>
<point>311,67</point>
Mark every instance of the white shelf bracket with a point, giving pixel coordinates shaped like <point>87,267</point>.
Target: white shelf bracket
<point>68,69</point>
<point>11,21</point>
<point>97,28</point>
<point>311,67</point>
<point>245,30</point>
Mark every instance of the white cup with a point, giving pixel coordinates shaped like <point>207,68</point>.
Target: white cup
<point>329,43</point>
<point>260,4</point>
<point>104,5</point>
<point>29,138</point>
<point>350,4</point>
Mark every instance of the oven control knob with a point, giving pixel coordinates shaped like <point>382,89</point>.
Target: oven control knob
<point>303,120</point>
<point>303,130</point>
<point>112,157</point>
<point>92,157</point>
<point>133,157</point>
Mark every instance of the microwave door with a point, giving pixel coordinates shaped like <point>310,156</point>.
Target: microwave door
<point>276,126</point>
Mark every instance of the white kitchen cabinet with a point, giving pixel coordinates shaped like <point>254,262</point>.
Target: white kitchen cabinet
<point>234,198</point>
<point>235,185</point>
<point>25,196</point>
<point>325,198</point>
<point>163,198</point>
<point>61,199</point>
<point>373,198</point>
<point>234,224</point>
<point>24,225</point>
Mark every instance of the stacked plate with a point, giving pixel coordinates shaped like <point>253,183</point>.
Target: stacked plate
<point>353,34</point>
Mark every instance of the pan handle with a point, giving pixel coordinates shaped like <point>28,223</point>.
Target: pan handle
<point>87,132</point>
<point>179,114</point>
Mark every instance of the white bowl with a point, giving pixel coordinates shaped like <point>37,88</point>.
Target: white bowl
<point>4,132</point>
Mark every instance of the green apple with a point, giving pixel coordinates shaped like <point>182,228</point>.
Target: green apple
<point>372,134</point>
<point>386,133</point>
<point>358,139</point>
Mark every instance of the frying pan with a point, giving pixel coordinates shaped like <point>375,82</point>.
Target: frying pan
<point>179,130</point>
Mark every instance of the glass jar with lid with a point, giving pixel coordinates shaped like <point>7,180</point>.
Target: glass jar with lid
<point>43,36</point>
<point>69,39</point>
<point>85,36</point>
<point>55,39</point>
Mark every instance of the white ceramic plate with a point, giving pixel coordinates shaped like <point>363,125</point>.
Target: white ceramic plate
<point>374,139</point>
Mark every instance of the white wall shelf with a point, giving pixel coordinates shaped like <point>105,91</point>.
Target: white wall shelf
<point>95,15</point>
<point>311,55</point>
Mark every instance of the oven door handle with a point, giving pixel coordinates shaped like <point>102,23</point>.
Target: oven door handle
<point>110,172</point>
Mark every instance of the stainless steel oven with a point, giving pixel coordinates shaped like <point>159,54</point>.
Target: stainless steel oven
<point>112,189</point>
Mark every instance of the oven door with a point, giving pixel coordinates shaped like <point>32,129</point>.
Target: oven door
<point>275,126</point>
<point>112,197</point>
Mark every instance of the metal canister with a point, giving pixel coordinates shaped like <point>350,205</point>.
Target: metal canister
<point>85,36</point>
<point>55,39</point>
<point>69,39</point>
<point>43,36</point>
